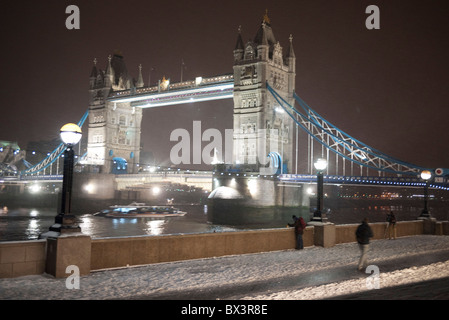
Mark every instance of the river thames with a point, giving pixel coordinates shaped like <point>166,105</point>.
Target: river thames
<point>29,223</point>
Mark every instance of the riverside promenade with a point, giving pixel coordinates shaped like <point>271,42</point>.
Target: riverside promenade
<point>410,267</point>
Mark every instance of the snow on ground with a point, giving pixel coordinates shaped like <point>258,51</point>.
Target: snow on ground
<point>161,279</point>
<point>370,282</point>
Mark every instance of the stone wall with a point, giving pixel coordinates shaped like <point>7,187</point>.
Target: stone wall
<point>346,232</point>
<point>21,258</point>
<point>122,252</point>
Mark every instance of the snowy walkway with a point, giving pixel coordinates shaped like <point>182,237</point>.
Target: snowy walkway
<point>312,273</point>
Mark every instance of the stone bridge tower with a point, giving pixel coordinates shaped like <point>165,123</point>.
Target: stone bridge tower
<point>260,125</point>
<point>114,128</point>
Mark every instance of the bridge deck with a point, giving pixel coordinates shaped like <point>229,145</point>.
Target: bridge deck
<point>364,180</point>
<point>214,88</point>
<point>201,177</point>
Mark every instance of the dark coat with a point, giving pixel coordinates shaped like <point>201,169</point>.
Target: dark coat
<point>391,218</point>
<point>364,233</point>
<point>299,225</point>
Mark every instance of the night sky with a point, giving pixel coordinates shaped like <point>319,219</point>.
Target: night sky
<point>388,88</point>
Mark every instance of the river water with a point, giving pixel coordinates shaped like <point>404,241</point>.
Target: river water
<point>28,223</point>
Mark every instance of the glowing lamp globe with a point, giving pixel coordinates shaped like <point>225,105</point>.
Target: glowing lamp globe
<point>320,164</point>
<point>70,134</point>
<point>426,175</point>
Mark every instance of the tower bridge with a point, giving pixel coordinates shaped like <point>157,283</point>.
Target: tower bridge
<point>270,123</point>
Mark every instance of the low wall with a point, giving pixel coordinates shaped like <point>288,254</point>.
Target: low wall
<point>21,258</point>
<point>121,252</point>
<point>346,232</point>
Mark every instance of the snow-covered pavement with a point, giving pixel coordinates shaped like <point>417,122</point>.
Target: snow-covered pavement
<point>312,273</point>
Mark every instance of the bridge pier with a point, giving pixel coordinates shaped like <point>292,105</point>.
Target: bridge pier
<point>254,199</point>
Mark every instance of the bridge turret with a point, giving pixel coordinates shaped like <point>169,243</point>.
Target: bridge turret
<point>139,83</point>
<point>263,47</point>
<point>97,88</point>
<point>109,78</point>
<point>260,128</point>
<point>239,47</point>
<point>290,56</point>
<point>93,75</point>
<point>114,127</point>
<point>290,60</point>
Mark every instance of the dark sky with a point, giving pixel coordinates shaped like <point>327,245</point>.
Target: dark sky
<point>387,87</point>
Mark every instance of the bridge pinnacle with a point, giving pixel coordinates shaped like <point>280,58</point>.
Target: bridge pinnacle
<point>266,19</point>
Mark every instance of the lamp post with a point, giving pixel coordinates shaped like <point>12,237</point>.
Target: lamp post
<point>66,246</point>
<point>426,175</point>
<point>65,222</point>
<point>320,165</point>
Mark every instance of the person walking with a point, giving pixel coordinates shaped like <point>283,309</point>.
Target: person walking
<point>391,227</point>
<point>299,224</point>
<point>363,234</point>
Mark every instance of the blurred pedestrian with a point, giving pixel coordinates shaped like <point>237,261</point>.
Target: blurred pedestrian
<point>363,234</point>
<point>391,227</point>
<point>299,224</point>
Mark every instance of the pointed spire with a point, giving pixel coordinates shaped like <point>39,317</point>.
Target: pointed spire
<point>290,51</point>
<point>94,72</point>
<point>265,17</point>
<point>93,75</point>
<point>264,34</point>
<point>140,79</point>
<point>239,44</point>
<point>109,79</point>
<point>109,67</point>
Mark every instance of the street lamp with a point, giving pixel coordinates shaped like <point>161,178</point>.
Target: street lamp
<point>65,222</point>
<point>426,175</point>
<point>320,165</point>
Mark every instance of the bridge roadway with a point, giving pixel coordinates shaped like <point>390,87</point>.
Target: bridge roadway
<point>204,179</point>
<point>200,89</point>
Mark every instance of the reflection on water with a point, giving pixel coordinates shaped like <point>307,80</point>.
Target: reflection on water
<point>155,227</point>
<point>32,230</point>
<point>24,224</point>
<point>28,224</point>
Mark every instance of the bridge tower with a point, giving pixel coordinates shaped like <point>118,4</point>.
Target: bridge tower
<point>114,128</point>
<point>260,125</point>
